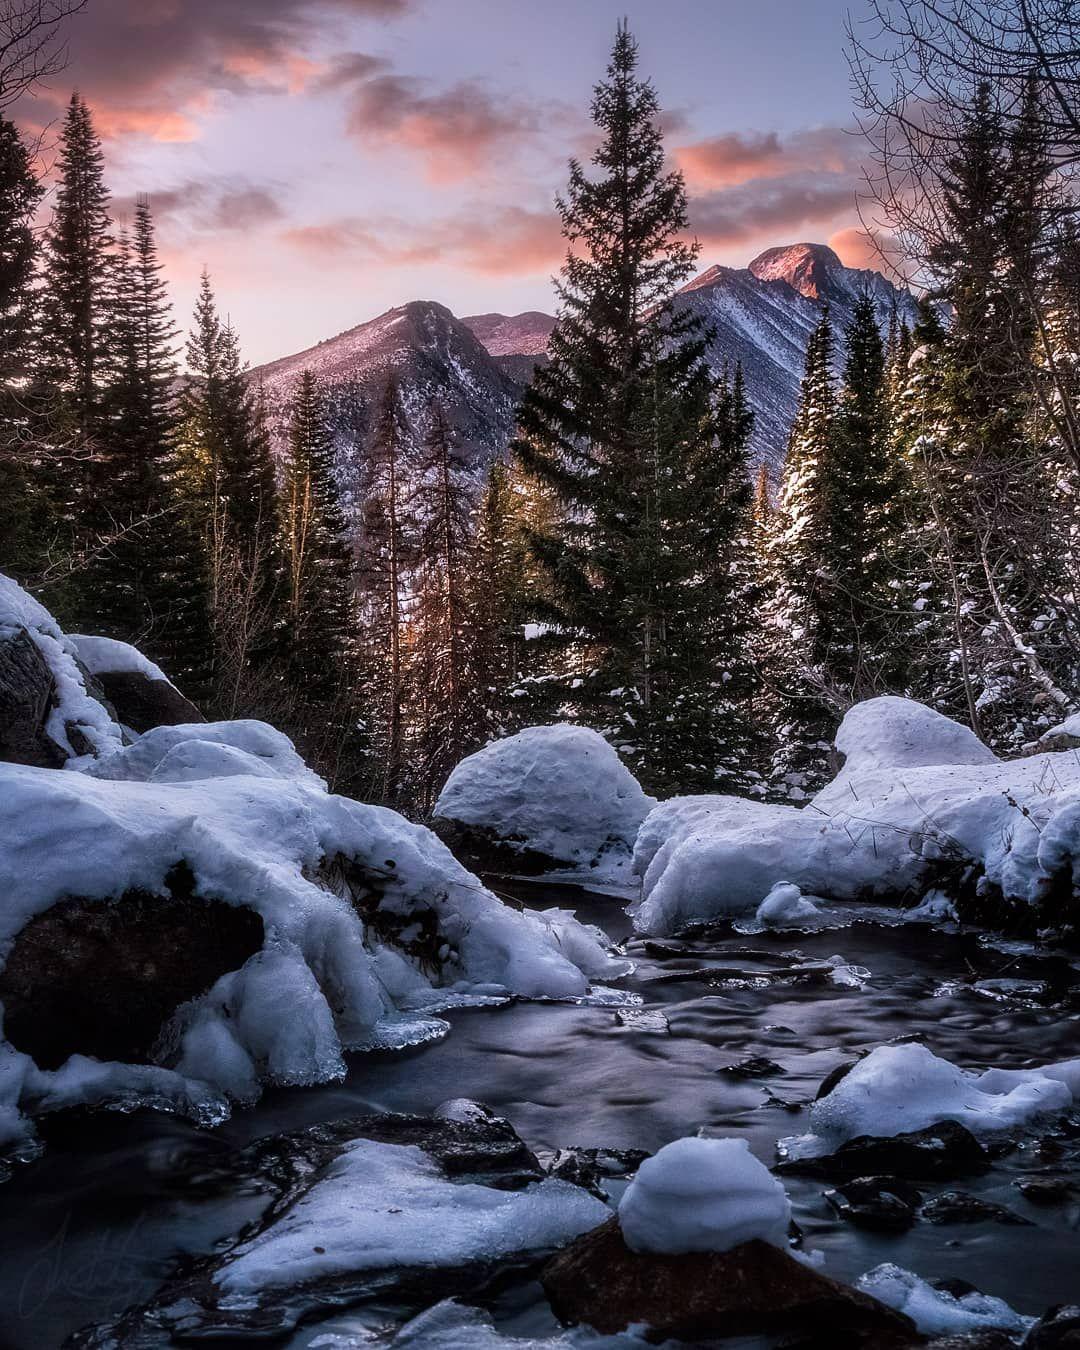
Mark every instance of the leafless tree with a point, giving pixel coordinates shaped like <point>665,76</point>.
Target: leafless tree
<point>32,43</point>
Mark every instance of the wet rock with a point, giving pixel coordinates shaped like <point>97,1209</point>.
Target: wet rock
<point>941,1152</point>
<point>587,1167</point>
<point>962,1207</point>
<point>1044,1190</point>
<point>973,1340</point>
<point>27,696</point>
<point>880,1204</point>
<point>750,1290</point>
<point>1057,1329</point>
<point>101,977</point>
<point>757,1066</point>
<point>142,703</point>
<point>190,1306</point>
<point>833,1077</point>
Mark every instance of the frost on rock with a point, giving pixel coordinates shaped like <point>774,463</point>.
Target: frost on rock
<point>703,1195</point>
<point>75,722</point>
<point>936,1312</point>
<point>898,1089</point>
<point>378,1206</point>
<point>548,798</point>
<point>920,805</point>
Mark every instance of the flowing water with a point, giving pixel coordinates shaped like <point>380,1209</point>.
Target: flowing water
<point>102,1217</point>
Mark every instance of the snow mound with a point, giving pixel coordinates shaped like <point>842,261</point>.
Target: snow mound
<point>205,750</point>
<point>895,823</point>
<point>77,719</point>
<point>703,1195</point>
<point>897,733</point>
<point>102,655</point>
<point>935,1312</point>
<point>561,792</point>
<point>456,1326</point>
<point>785,907</point>
<point>900,1088</point>
<point>364,915</point>
<point>378,1206</point>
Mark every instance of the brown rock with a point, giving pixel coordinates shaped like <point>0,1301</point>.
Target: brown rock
<point>27,695</point>
<point>753,1289</point>
<point>142,703</point>
<point>101,977</point>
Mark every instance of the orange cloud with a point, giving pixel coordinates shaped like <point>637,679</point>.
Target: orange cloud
<point>858,247</point>
<point>740,157</point>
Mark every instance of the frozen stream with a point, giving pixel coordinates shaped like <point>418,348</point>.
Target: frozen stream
<point>99,1221</point>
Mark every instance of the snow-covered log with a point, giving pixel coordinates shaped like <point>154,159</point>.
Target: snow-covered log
<point>920,804</point>
<point>548,799</point>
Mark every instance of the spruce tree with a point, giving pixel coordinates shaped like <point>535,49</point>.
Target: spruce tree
<point>448,721</point>
<point>324,668</point>
<point>612,427</point>
<point>20,193</point>
<point>228,477</point>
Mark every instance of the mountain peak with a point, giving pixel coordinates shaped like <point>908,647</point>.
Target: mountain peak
<point>805,267</point>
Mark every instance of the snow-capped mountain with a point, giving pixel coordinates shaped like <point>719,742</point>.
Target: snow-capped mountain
<point>762,317</point>
<point>435,359</point>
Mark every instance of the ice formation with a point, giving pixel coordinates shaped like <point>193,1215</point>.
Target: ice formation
<point>935,1312</point>
<point>560,791</point>
<point>785,906</point>
<point>918,801</point>
<point>380,1206</point>
<point>703,1195</point>
<point>455,1326</point>
<point>900,1088</point>
<point>369,921</point>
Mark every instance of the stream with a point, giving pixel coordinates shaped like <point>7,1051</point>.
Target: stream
<point>100,1219</point>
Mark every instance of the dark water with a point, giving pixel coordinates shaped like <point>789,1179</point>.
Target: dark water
<point>99,1221</point>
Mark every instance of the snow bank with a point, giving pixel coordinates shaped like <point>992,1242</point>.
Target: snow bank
<point>703,1195</point>
<point>102,655</point>
<point>341,955</point>
<point>378,1207</point>
<point>935,1312</point>
<point>561,792</point>
<point>77,720</point>
<point>900,1088</point>
<point>897,821</point>
<point>203,750</point>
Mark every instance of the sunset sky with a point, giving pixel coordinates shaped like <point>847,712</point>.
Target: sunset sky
<point>328,159</point>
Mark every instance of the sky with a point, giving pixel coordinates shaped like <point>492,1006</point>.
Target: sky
<point>329,159</point>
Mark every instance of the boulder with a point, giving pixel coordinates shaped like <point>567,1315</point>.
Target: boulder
<point>1057,1329</point>
<point>960,1207</point>
<point>100,978</point>
<point>752,1289</point>
<point>940,1152</point>
<point>879,1204</point>
<point>140,692</point>
<point>27,696</point>
<point>548,798</point>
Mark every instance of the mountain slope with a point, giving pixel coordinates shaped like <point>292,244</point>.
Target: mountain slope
<point>762,317</point>
<point>435,359</point>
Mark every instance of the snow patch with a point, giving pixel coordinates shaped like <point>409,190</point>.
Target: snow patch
<point>935,1312</point>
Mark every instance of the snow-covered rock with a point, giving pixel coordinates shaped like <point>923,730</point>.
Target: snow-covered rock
<point>140,692</point>
<point>48,717</point>
<point>377,1207</point>
<point>548,798</point>
<point>204,750</point>
<point>786,907</point>
<point>936,1312</point>
<point>703,1195</point>
<point>898,1089</point>
<point>919,805</point>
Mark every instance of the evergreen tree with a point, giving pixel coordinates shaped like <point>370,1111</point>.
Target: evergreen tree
<point>448,721</point>
<point>228,476</point>
<point>324,659</point>
<point>20,193</point>
<point>383,564</point>
<point>612,428</point>
<point>802,610</point>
